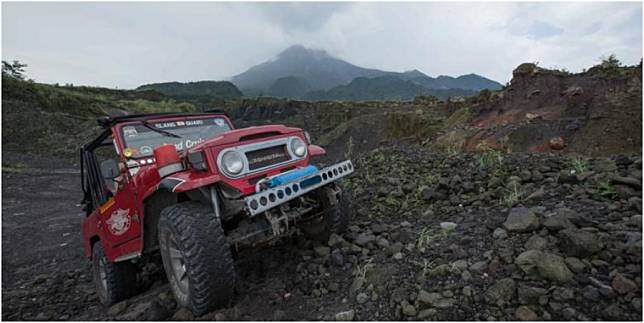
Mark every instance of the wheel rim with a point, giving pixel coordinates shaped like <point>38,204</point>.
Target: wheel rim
<point>177,264</point>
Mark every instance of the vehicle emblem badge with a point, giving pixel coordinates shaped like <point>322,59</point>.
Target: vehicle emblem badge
<point>119,222</point>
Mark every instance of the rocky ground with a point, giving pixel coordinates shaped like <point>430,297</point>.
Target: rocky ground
<point>479,236</point>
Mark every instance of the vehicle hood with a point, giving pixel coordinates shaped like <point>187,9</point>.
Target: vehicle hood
<point>246,134</point>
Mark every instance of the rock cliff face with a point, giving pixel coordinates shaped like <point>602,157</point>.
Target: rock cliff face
<point>593,112</point>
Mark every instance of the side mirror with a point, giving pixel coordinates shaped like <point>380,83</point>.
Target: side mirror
<point>110,169</point>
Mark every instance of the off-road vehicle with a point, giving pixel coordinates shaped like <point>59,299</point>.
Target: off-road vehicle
<point>195,190</point>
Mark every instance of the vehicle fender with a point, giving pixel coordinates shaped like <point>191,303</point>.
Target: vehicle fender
<point>184,181</point>
<point>90,232</point>
<point>315,150</point>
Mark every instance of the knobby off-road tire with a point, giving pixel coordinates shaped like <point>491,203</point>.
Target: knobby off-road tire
<point>114,281</point>
<point>192,239</point>
<point>336,213</point>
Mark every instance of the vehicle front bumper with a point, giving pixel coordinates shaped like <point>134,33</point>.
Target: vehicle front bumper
<point>272,197</point>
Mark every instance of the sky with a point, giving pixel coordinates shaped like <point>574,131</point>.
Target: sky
<point>124,45</point>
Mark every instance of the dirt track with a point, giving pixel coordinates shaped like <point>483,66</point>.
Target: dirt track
<point>45,275</point>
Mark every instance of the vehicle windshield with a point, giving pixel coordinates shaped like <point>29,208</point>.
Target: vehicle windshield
<point>142,139</point>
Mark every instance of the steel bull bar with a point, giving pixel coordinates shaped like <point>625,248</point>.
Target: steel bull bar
<point>274,196</point>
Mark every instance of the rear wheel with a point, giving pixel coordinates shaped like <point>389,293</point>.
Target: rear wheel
<point>114,281</point>
<point>196,257</point>
<point>336,213</point>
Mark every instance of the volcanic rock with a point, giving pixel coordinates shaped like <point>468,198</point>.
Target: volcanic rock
<point>521,219</point>
<point>579,243</point>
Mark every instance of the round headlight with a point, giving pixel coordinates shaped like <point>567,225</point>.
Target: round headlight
<point>232,162</point>
<point>298,147</point>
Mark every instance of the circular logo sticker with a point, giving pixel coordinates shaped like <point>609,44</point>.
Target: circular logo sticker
<point>119,222</point>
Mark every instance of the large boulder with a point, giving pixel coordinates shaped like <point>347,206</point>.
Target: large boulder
<point>521,219</point>
<point>558,222</point>
<point>502,292</point>
<point>579,243</point>
<point>623,285</point>
<point>545,265</point>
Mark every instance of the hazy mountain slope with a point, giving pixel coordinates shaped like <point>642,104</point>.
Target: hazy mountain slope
<point>382,88</point>
<point>316,67</point>
<point>288,87</point>
<point>472,82</point>
<point>321,71</point>
<point>200,90</point>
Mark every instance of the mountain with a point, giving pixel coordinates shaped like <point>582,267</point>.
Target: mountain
<point>472,82</point>
<point>382,88</point>
<point>289,87</point>
<point>298,66</point>
<point>196,91</point>
<point>320,70</point>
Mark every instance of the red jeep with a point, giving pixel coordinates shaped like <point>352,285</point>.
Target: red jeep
<point>191,187</point>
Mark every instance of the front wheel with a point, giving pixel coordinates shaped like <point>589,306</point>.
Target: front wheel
<point>196,257</point>
<point>114,281</point>
<point>336,213</point>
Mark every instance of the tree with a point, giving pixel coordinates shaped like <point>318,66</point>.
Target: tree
<point>15,69</point>
<point>611,62</point>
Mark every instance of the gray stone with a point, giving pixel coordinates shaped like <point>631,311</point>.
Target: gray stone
<point>521,219</point>
<point>460,265</point>
<point>579,243</point>
<point>183,314</point>
<point>502,292</point>
<point>409,310</point>
<point>613,313</point>
<point>479,267</point>
<point>635,203</point>
<point>117,308</point>
<point>383,243</point>
<point>499,233</point>
<point>530,295</point>
<point>440,271</point>
<point>536,242</point>
<point>362,298</point>
<point>466,276</point>
<point>591,293</point>
<point>428,298</point>
<point>337,259</point>
<point>575,264</point>
<point>334,239</point>
<point>623,285</point>
<point>524,313</point>
<point>322,251</point>
<point>448,226</point>
<point>546,265</point>
<point>444,303</point>
<point>630,181</point>
<point>345,316</point>
<point>42,317</point>
<point>426,313</point>
<point>364,239</point>
<point>558,222</point>
<point>427,193</point>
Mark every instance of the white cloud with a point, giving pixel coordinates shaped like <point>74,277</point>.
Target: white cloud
<point>127,44</point>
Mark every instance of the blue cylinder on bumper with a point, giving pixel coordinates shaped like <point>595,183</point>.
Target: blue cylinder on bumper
<point>292,176</point>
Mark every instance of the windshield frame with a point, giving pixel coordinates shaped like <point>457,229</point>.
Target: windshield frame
<point>120,140</point>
